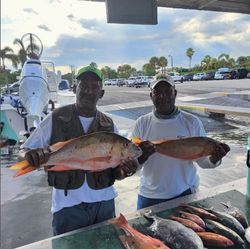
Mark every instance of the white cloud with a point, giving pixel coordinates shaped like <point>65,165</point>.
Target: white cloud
<point>79,33</point>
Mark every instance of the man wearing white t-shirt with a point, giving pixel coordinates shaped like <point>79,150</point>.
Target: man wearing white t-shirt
<point>164,178</point>
<point>79,198</point>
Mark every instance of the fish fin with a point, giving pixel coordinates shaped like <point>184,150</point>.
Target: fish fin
<point>136,140</point>
<point>59,145</point>
<point>159,141</point>
<point>25,170</point>
<point>20,165</point>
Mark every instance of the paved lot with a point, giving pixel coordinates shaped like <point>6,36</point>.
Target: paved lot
<point>25,202</point>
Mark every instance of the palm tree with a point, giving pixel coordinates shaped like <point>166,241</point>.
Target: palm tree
<point>22,55</point>
<point>154,62</point>
<point>162,62</point>
<point>225,60</point>
<point>189,54</point>
<point>8,53</point>
<point>206,62</point>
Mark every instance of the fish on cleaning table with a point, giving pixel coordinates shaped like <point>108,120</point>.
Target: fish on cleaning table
<point>189,148</point>
<point>93,152</point>
<point>229,221</point>
<point>219,228</point>
<point>247,234</point>
<point>193,217</point>
<point>188,223</point>
<point>236,213</point>
<point>215,240</point>
<point>173,233</point>
<point>135,238</point>
<point>199,211</point>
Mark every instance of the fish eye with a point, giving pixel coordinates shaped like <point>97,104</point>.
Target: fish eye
<point>126,145</point>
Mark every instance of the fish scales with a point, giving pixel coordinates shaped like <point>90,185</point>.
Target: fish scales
<point>173,233</point>
<point>219,228</point>
<point>187,148</point>
<point>136,239</point>
<point>96,151</point>
<point>229,221</point>
<point>93,152</point>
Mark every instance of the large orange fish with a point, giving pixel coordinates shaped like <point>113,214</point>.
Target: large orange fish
<point>190,148</point>
<point>215,240</point>
<point>135,238</point>
<point>94,152</point>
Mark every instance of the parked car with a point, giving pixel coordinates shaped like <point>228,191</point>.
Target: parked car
<point>188,77</point>
<point>209,76</point>
<point>176,76</point>
<point>14,87</point>
<point>199,76</point>
<point>222,74</point>
<point>120,82</point>
<point>107,82</point>
<point>141,81</point>
<point>131,81</point>
<point>150,79</point>
<point>242,73</point>
<point>248,75</point>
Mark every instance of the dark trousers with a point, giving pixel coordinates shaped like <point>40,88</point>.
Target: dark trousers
<point>82,215</point>
<point>143,202</point>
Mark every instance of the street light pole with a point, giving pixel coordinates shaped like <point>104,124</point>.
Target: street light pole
<point>172,61</point>
<point>72,74</point>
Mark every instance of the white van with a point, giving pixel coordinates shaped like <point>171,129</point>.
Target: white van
<point>176,76</point>
<point>131,81</point>
<point>222,73</point>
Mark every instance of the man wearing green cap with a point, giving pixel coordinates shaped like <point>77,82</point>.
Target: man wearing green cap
<point>79,199</point>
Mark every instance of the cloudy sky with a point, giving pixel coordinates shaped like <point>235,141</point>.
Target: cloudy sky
<point>76,33</point>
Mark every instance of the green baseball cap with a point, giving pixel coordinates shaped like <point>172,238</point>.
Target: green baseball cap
<point>94,70</point>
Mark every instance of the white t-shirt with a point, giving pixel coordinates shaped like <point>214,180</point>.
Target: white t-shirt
<point>40,138</point>
<point>164,177</point>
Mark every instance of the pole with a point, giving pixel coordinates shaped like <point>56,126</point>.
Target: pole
<point>172,62</point>
<point>72,74</point>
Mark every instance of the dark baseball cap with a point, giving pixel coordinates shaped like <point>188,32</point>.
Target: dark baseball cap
<point>87,69</point>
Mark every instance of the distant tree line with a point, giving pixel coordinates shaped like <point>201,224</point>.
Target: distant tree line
<point>155,64</point>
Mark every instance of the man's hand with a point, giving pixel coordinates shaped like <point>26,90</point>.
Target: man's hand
<point>220,151</point>
<point>147,150</point>
<point>37,157</point>
<point>125,168</point>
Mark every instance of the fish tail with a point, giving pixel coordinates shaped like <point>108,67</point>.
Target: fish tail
<point>120,221</point>
<point>23,167</point>
<point>20,165</point>
<point>136,140</point>
<point>25,170</point>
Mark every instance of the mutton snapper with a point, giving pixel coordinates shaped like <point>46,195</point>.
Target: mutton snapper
<point>173,233</point>
<point>215,240</point>
<point>94,152</point>
<point>135,239</point>
<point>189,148</point>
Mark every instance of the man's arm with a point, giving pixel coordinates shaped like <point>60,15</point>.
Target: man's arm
<point>35,149</point>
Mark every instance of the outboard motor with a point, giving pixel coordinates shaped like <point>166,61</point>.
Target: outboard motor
<point>34,91</point>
